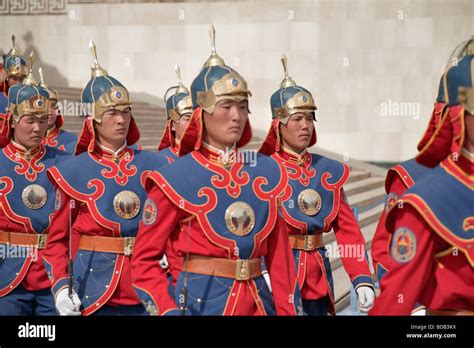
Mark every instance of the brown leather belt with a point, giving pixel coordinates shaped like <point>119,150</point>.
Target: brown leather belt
<point>234,269</point>
<point>116,245</point>
<point>27,239</point>
<point>306,242</point>
<point>454,312</point>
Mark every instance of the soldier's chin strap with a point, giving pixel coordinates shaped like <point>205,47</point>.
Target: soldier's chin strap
<point>184,289</point>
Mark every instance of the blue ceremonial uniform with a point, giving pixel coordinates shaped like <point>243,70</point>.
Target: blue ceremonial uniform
<point>101,182</point>
<point>26,206</point>
<point>101,195</point>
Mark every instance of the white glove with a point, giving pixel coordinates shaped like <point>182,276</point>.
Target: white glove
<point>366,298</point>
<point>266,276</point>
<point>419,312</point>
<point>67,306</point>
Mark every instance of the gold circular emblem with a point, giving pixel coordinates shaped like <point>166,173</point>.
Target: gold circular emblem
<point>116,96</point>
<point>126,204</point>
<point>309,202</point>
<point>34,196</point>
<point>240,218</point>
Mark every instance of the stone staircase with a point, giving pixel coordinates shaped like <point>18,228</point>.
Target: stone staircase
<point>364,190</point>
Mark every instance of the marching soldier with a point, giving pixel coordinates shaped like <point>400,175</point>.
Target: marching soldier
<point>57,137</point>
<point>15,70</point>
<point>314,202</point>
<point>26,201</point>
<point>99,200</point>
<point>432,224</point>
<point>179,108</point>
<point>228,211</point>
<point>400,178</point>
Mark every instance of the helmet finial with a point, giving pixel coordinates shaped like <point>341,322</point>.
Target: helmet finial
<point>214,59</point>
<point>181,88</point>
<point>42,83</point>
<point>30,79</point>
<point>97,70</point>
<point>287,81</point>
<point>13,51</point>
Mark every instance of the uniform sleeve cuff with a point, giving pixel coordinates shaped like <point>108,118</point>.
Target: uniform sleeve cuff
<point>363,280</point>
<point>151,306</point>
<point>59,285</point>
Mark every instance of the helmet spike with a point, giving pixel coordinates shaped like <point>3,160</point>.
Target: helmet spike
<point>181,88</point>
<point>287,81</point>
<point>212,36</point>
<point>30,79</point>
<point>97,70</point>
<point>178,73</point>
<point>42,83</point>
<point>214,59</point>
<point>13,51</point>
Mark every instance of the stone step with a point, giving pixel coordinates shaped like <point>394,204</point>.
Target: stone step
<point>149,147</point>
<point>358,175</point>
<point>370,216</point>
<point>366,199</point>
<point>363,185</point>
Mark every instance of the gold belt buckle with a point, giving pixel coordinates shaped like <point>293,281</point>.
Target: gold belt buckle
<point>309,242</point>
<point>242,270</point>
<point>128,242</point>
<point>41,241</point>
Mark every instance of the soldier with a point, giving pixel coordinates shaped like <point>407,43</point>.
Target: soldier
<point>57,137</point>
<point>432,223</point>
<point>100,195</point>
<point>314,202</point>
<point>400,178</point>
<point>228,211</point>
<point>26,202</point>
<point>178,112</point>
<point>179,108</point>
<point>14,67</point>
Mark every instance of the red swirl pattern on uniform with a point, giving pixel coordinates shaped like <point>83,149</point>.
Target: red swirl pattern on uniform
<point>51,138</point>
<point>468,223</point>
<point>303,173</point>
<point>120,171</point>
<point>29,167</point>
<point>5,205</point>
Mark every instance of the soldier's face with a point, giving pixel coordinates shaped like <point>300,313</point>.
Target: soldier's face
<point>225,126</point>
<point>113,129</point>
<point>53,115</point>
<point>30,130</point>
<point>469,142</point>
<point>15,80</point>
<point>180,126</point>
<point>296,134</point>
